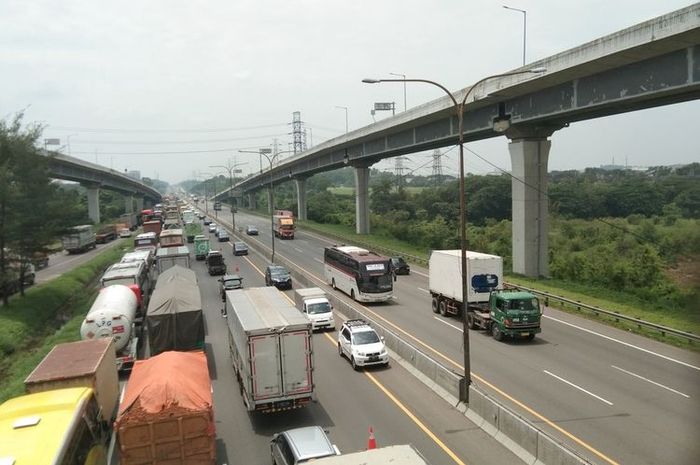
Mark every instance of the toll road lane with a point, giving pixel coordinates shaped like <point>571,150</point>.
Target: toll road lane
<point>348,402</point>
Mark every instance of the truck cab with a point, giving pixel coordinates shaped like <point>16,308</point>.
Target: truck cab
<point>514,314</point>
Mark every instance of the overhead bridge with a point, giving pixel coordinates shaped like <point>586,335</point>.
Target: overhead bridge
<point>651,64</point>
<point>95,177</point>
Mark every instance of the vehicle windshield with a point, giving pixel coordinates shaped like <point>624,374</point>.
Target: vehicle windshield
<point>279,273</point>
<point>381,283</point>
<point>523,304</point>
<point>241,245</point>
<point>315,309</point>
<point>232,283</point>
<point>216,259</point>
<point>365,337</point>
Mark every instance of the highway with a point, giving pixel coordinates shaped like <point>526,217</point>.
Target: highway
<point>399,409</point>
<point>62,262</point>
<point>613,396</point>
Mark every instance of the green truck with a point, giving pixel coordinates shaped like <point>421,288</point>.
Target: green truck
<point>201,246</point>
<point>504,313</point>
<point>192,230</point>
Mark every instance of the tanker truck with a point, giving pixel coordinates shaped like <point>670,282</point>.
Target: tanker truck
<point>112,315</point>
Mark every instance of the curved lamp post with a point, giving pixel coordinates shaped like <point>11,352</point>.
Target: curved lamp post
<point>459,110</point>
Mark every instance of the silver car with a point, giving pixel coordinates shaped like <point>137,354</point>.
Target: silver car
<point>301,445</point>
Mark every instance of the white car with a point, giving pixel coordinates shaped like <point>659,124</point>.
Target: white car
<point>125,232</point>
<point>361,344</point>
<point>212,227</point>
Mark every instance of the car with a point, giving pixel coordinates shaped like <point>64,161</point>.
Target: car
<point>201,216</point>
<point>301,445</point>
<point>278,276</point>
<point>251,230</point>
<point>223,235</point>
<point>228,283</point>
<point>206,221</point>
<point>217,231</point>
<point>399,266</point>
<point>212,227</point>
<point>125,232</point>
<point>215,263</point>
<point>361,345</point>
<point>240,248</point>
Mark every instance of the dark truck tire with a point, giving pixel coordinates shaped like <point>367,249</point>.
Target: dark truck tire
<point>435,305</point>
<point>496,331</point>
<point>471,321</point>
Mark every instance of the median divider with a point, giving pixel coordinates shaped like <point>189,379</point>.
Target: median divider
<point>520,436</point>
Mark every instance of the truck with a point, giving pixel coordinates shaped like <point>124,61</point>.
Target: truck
<point>166,415</point>
<point>106,233</point>
<point>154,226</point>
<point>505,313</point>
<point>79,239</point>
<point>271,349</point>
<point>113,316</point>
<point>91,363</point>
<point>217,206</point>
<point>167,257</point>
<point>188,216</point>
<point>201,246</point>
<point>171,238</point>
<point>191,230</point>
<point>129,274</point>
<point>174,319</point>
<point>404,454</point>
<point>130,220</point>
<point>313,302</point>
<point>283,224</point>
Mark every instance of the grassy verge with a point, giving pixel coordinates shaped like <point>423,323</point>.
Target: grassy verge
<point>600,297</point>
<point>28,326</point>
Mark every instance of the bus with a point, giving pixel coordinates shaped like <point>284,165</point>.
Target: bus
<point>61,427</point>
<point>365,276</point>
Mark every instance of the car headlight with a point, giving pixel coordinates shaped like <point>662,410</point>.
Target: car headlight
<point>361,354</point>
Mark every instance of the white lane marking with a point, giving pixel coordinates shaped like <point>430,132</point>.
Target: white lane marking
<point>424,290</point>
<point>650,381</point>
<point>578,387</point>
<point>318,259</point>
<point>624,343</point>
<point>419,273</point>
<point>298,250</point>
<point>442,320</point>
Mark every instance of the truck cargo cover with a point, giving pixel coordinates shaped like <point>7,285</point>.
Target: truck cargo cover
<point>177,272</point>
<point>171,379</point>
<point>174,316</point>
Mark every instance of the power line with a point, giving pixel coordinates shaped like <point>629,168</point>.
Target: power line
<point>146,131</point>
<point>199,141</point>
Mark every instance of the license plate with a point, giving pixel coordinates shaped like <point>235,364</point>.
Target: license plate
<point>374,359</point>
<point>524,334</point>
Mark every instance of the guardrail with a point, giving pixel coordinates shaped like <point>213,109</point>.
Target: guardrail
<point>614,315</point>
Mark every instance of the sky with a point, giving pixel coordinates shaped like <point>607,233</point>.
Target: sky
<point>171,88</point>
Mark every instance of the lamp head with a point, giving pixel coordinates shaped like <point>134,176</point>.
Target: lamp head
<point>371,81</point>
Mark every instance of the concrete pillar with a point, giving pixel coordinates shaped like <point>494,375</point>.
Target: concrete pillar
<point>362,199</point>
<point>301,198</point>
<point>93,201</point>
<point>252,204</point>
<point>129,204</point>
<point>139,204</point>
<point>529,156</point>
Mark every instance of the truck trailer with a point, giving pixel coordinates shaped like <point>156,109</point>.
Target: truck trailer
<point>488,306</point>
<point>271,349</point>
<point>283,224</point>
<point>79,239</point>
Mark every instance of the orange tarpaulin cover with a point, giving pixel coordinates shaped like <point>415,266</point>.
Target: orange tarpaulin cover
<point>170,379</point>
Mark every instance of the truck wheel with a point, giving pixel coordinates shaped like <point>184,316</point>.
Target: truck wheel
<point>496,331</point>
<point>530,337</point>
<point>443,308</point>
<point>471,322</point>
<point>435,305</point>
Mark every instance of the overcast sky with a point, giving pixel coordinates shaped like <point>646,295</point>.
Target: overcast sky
<point>126,78</point>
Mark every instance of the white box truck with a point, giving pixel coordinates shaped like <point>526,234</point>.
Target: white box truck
<point>313,302</point>
<point>502,312</point>
<point>271,349</point>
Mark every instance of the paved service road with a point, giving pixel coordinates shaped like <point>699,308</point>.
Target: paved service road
<point>400,409</point>
<point>615,397</point>
<point>62,262</point>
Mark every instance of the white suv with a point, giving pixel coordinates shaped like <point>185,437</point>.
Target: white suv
<point>361,344</point>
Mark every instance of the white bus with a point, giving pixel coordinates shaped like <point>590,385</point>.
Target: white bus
<point>365,276</point>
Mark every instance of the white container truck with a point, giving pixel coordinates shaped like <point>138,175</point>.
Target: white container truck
<point>113,315</point>
<point>502,312</point>
<point>271,348</point>
<point>313,302</point>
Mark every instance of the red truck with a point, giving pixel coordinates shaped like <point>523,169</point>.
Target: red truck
<point>152,226</point>
<point>283,224</point>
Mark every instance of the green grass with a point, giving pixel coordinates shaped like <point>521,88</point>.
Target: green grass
<point>28,326</point>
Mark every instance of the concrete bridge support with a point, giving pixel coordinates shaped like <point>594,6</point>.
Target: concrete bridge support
<point>139,204</point>
<point>93,202</point>
<point>252,204</point>
<point>529,153</point>
<point>129,204</point>
<point>301,198</point>
<point>362,199</point>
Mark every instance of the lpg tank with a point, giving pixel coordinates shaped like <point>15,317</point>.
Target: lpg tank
<point>111,315</point>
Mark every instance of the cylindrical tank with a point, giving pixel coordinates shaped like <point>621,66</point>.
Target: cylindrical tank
<point>111,315</point>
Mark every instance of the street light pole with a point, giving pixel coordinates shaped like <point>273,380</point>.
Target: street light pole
<point>459,109</point>
<point>346,117</point>
<point>271,159</point>
<point>524,27</point>
<point>403,76</point>
<point>231,170</point>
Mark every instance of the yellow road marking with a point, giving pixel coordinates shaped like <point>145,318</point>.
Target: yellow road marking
<point>409,414</point>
